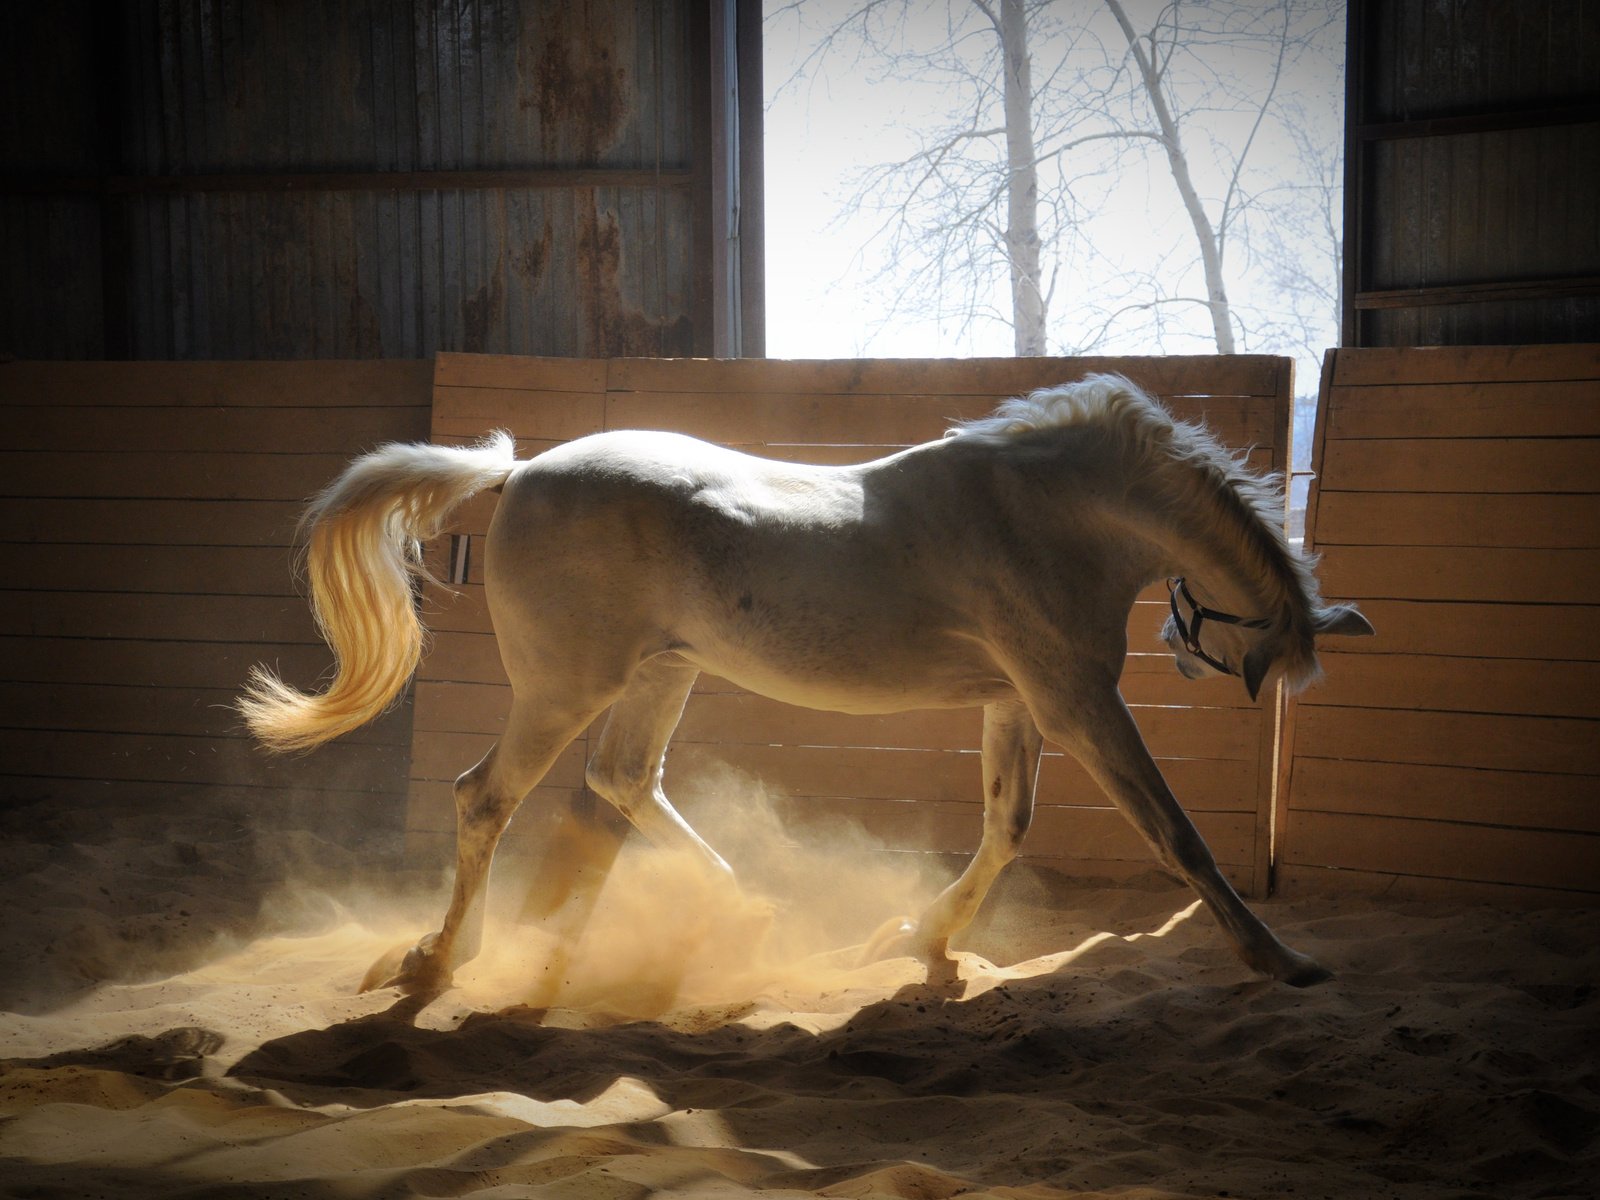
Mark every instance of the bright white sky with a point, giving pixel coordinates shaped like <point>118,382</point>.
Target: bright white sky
<point>824,129</point>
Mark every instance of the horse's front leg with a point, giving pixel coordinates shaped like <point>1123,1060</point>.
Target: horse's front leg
<point>1100,732</point>
<point>1011,745</point>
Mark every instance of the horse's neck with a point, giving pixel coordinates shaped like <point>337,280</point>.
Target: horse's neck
<point>1163,522</point>
<point>1215,546</point>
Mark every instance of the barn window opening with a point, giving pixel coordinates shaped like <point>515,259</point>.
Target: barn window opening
<point>1118,177</point>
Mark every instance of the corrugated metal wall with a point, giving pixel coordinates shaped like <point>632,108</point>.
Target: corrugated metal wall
<point>1473,163</point>
<point>376,178</point>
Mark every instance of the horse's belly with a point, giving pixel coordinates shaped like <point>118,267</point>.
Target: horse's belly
<point>864,684</point>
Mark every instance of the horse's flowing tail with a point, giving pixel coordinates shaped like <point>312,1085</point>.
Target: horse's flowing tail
<point>363,555</point>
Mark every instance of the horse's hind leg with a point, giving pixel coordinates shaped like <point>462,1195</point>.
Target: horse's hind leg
<point>626,769</point>
<point>627,764</point>
<point>1011,745</point>
<point>1101,734</point>
<point>485,797</point>
<point>575,858</point>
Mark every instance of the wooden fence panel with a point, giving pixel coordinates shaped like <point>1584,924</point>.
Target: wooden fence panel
<point>151,508</point>
<point>1457,500</point>
<point>912,779</point>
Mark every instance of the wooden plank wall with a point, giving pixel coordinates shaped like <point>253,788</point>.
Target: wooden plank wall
<point>149,513</point>
<point>1458,500</point>
<point>911,779</point>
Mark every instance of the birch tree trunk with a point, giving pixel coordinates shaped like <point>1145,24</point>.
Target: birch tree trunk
<point>1028,303</point>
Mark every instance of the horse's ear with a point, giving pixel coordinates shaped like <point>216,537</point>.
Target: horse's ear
<point>1256,665</point>
<point>1347,621</point>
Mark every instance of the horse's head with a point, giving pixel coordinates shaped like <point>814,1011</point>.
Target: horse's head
<point>1205,641</point>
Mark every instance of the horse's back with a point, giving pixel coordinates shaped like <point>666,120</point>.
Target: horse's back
<point>661,515</point>
<point>654,508</point>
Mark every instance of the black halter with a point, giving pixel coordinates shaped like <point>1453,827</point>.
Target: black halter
<point>1190,631</point>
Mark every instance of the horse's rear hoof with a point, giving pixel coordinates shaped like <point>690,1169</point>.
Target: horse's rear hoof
<point>901,937</point>
<point>383,973</point>
<point>892,939</point>
<point>414,969</point>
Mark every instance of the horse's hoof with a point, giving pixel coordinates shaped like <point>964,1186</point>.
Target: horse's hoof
<point>901,937</point>
<point>1306,973</point>
<point>1297,970</point>
<point>893,939</point>
<point>381,973</point>
<point>415,969</point>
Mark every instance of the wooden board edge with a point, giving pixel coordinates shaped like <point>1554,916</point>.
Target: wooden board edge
<point>1283,781</point>
<point>1300,882</point>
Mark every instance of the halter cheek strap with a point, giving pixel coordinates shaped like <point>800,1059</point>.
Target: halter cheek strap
<point>1189,630</point>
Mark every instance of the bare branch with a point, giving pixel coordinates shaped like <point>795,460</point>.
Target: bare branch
<point>1255,128</point>
<point>1172,142</point>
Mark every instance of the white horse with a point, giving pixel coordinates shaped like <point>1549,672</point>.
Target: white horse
<point>995,567</point>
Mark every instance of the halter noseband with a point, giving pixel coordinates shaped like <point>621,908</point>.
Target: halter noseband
<point>1190,631</point>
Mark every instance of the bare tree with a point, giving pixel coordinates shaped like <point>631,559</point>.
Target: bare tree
<point>1147,52</point>
<point>1302,247</point>
<point>1005,185</point>
<point>966,207</point>
<point>1276,32</point>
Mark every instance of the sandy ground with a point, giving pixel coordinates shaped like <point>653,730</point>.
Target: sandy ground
<point>179,1026</point>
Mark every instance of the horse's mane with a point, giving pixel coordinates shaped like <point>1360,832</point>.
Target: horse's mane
<point>1215,496</point>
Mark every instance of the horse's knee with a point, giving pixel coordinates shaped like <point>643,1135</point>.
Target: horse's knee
<point>1001,849</point>
<point>623,775</point>
<point>600,778</point>
<point>1002,842</point>
<point>480,804</point>
<point>618,782</point>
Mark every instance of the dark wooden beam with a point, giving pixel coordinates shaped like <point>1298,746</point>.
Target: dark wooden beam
<point>116,255</point>
<point>1350,268</point>
<point>726,144</point>
<point>1480,122</point>
<point>1477,293</point>
<point>702,305</point>
<point>752,184</point>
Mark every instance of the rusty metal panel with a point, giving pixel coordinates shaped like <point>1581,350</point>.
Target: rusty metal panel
<point>1472,207</point>
<point>404,84</point>
<point>256,189</point>
<point>49,245</point>
<point>593,272</point>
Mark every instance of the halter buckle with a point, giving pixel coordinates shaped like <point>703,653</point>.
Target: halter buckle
<point>1189,630</point>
